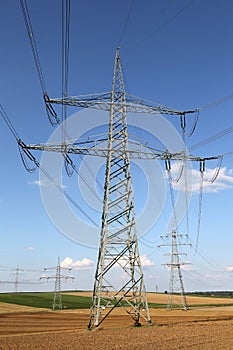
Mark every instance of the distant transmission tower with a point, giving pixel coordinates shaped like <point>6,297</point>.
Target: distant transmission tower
<point>17,273</point>
<point>176,285</point>
<point>57,300</point>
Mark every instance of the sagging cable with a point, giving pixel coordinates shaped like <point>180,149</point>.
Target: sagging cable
<point>26,154</point>
<point>183,123</point>
<point>217,170</point>
<point>202,169</point>
<point>71,168</point>
<point>69,165</point>
<point>52,116</point>
<point>51,113</point>
<point>168,169</point>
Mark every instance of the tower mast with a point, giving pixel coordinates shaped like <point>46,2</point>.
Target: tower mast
<point>119,279</point>
<point>176,285</point>
<point>57,299</point>
<point>176,280</point>
<point>118,250</point>
<point>57,302</point>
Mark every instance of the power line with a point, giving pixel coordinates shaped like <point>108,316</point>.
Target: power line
<point>212,138</point>
<point>217,102</point>
<point>8,123</point>
<point>126,23</point>
<point>28,24</point>
<point>160,27</point>
<point>61,189</point>
<point>65,56</point>
<point>199,211</point>
<point>65,65</point>
<point>25,153</point>
<point>207,259</point>
<point>52,116</point>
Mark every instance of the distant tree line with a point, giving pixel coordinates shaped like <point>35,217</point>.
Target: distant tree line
<point>219,294</point>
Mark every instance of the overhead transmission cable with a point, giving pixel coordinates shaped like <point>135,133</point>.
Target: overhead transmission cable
<point>65,53</point>
<point>217,102</point>
<point>219,134</point>
<point>169,4</point>
<point>161,26</point>
<point>126,22</point>
<point>199,209</point>
<point>52,116</point>
<point>29,28</point>
<point>8,123</point>
<point>183,128</point>
<point>25,153</point>
<point>60,188</point>
<point>211,181</point>
<point>202,255</point>
<point>212,138</point>
<point>69,166</point>
<point>168,169</point>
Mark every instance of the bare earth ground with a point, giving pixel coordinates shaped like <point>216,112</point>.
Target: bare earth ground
<point>198,328</point>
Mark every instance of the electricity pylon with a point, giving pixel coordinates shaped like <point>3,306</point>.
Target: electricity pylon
<point>17,272</point>
<point>57,300</point>
<point>118,237</point>
<point>176,285</point>
<point>118,249</point>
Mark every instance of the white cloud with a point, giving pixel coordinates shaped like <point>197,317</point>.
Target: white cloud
<point>124,262</point>
<point>46,183</point>
<point>84,264</point>
<point>229,269</point>
<point>145,261</point>
<point>223,181</point>
<point>37,182</point>
<point>29,249</point>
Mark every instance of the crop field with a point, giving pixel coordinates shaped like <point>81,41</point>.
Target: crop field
<point>201,327</point>
<point>45,300</point>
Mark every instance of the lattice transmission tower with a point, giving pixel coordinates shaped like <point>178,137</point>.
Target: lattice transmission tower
<point>118,237</point>
<point>17,273</point>
<point>57,299</point>
<point>118,249</point>
<point>177,297</point>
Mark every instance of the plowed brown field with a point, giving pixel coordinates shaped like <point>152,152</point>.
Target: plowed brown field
<point>198,328</point>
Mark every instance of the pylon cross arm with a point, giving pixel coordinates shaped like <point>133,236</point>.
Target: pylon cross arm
<point>131,104</point>
<point>143,152</point>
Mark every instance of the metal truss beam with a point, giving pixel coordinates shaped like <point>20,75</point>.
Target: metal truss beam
<point>138,151</point>
<point>131,104</point>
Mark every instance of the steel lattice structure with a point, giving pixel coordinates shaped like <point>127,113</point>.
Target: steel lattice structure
<point>176,285</point>
<point>118,238</point>
<point>17,272</point>
<point>57,300</point>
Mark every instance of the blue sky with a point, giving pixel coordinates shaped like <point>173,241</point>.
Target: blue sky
<point>178,53</point>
